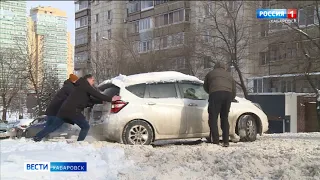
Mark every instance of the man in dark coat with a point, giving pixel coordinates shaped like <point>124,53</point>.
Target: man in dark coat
<point>55,104</point>
<point>71,109</point>
<point>221,87</point>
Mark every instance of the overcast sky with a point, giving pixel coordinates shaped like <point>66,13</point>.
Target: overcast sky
<point>67,6</point>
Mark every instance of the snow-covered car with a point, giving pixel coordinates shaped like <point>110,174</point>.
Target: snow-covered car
<point>4,130</point>
<point>167,105</point>
<point>22,126</point>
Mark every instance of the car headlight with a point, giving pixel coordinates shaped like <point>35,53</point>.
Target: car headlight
<point>257,105</point>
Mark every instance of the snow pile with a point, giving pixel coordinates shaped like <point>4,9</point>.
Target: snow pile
<point>282,156</point>
<point>165,76</point>
<point>102,163</point>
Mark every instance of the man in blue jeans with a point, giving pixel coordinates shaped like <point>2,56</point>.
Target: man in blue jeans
<point>54,106</point>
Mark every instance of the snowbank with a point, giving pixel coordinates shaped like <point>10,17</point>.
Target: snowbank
<point>165,76</point>
<point>284,156</point>
<point>102,163</point>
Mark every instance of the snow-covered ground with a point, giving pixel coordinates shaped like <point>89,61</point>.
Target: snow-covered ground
<point>282,156</point>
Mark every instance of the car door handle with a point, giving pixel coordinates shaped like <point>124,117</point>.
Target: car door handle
<point>151,103</point>
<point>193,104</point>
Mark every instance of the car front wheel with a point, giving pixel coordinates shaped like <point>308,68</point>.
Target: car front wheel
<point>247,128</point>
<point>138,132</point>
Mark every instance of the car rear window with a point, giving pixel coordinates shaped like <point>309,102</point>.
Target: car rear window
<point>162,90</point>
<point>138,89</point>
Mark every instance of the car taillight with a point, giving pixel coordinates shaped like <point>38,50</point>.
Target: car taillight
<point>24,126</point>
<point>117,106</point>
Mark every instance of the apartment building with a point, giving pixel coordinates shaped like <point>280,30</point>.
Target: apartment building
<point>13,23</point>
<point>158,30</point>
<point>278,63</point>
<point>107,28</point>
<point>82,48</point>
<point>51,24</point>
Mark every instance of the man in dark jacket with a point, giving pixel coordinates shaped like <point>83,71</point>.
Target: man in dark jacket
<point>221,87</point>
<point>55,104</point>
<point>71,109</point>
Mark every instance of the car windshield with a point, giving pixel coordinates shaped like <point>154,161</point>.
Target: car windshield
<point>3,126</point>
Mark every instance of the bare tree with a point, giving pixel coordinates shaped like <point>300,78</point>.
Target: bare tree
<point>309,42</point>
<point>10,78</point>
<point>227,30</point>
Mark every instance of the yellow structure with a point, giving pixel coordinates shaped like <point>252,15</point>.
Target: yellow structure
<point>70,62</point>
<point>48,29</point>
<point>48,10</point>
<point>34,52</point>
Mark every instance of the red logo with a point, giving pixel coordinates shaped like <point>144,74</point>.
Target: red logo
<point>292,13</point>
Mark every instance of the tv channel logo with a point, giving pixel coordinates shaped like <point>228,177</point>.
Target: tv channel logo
<point>55,167</point>
<point>276,13</point>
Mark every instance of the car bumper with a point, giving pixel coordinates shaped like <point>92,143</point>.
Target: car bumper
<point>4,134</point>
<point>110,128</point>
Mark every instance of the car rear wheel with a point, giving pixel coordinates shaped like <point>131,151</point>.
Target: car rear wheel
<point>247,128</point>
<point>138,132</point>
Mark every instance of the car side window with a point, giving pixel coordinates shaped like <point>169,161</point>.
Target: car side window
<point>138,89</point>
<point>36,121</point>
<point>193,91</point>
<point>162,90</point>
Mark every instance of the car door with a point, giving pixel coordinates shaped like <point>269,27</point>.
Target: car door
<point>164,109</point>
<point>196,105</point>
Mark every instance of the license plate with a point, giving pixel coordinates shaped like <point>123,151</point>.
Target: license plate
<point>3,135</point>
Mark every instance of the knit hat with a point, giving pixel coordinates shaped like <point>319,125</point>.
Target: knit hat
<point>73,77</point>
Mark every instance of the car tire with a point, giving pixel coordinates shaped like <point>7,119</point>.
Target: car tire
<point>138,132</point>
<point>247,128</point>
<point>19,134</point>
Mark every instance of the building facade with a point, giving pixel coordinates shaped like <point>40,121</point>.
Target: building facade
<point>278,61</point>
<point>51,24</point>
<point>70,62</point>
<point>82,57</point>
<point>13,23</point>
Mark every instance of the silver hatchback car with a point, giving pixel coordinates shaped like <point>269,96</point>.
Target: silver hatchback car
<point>166,105</point>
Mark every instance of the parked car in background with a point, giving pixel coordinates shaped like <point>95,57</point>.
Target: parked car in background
<point>66,130</point>
<point>22,126</point>
<point>4,130</point>
<point>167,105</point>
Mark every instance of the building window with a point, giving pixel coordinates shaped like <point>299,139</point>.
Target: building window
<point>307,16</point>
<point>96,36</point>
<point>145,5</point>
<point>157,2</point>
<point>109,34</point>
<point>208,9</point>
<point>81,38</point>
<point>81,57</point>
<point>274,52</point>
<point>232,5</point>
<point>96,18</point>
<point>169,18</point>
<point>179,63</point>
<point>134,6</point>
<point>257,86</point>
<point>177,39</point>
<point>263,58</point>
<point>81,22</point>
<point>109,14</point>
<point>145,46</point>
<point>134,27</point>
<point>264,30</point>
<point>145,24</point>
<point>207,62</point>
<point>81,5</point>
